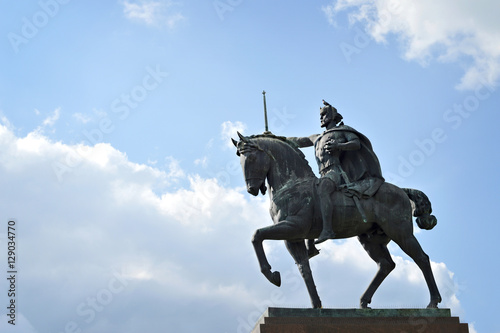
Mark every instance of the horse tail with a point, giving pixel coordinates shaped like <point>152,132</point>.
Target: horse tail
<point>421,208</point>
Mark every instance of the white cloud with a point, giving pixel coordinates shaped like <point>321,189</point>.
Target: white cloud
<point>203,161</point>
<point>113,231</point>
<point>229,130</point>
<point>174,19</point>
<point>155,13</point>
<point>5,122</point>
<point>48,122</point>
<point>82,118</point>
<point>104,216</point>
<point>145,11</point>
<point>330,12</point>
<point>51,120</point>
<point>174,168</point>
<point>448,31</point>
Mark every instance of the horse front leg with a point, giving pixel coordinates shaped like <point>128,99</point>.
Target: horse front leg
<point>282,231</point>
<point>299,253</point>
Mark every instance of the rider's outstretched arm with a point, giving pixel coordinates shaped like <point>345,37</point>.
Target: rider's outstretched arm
<point>306,141</point>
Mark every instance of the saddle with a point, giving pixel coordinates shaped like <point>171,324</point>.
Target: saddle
<point>362,189</point>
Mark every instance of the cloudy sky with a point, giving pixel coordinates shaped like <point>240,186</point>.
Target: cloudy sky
<point>129,202</point>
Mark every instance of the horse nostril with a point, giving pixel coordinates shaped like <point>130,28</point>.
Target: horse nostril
<point>252,190</point>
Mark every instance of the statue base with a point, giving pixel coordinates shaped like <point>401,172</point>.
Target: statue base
<point>290,320</point>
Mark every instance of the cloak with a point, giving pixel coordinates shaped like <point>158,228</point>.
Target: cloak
<point>361,166</point>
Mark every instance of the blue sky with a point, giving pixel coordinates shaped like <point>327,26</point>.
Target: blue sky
<point>115,119</point>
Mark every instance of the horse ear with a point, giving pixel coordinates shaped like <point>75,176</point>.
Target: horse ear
<point>235,143</point>
<point>242,138</point>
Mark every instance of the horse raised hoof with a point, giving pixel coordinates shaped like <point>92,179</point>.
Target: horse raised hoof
<point>273,277</point>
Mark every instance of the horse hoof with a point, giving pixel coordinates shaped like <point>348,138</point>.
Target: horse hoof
<point>276,279</point>
<point>364,305</point>
<point>432,305</point>
<point>273,277</point>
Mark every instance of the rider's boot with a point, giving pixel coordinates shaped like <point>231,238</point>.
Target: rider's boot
<point>326,234</point>
<point>326,188</point>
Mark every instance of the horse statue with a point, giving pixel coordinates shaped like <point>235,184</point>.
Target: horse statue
<point>296,214</point>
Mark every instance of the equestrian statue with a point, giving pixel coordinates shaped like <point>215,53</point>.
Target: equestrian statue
<point>351,198</point>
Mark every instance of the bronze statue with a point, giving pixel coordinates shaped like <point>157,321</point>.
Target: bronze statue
<point>358,201</point>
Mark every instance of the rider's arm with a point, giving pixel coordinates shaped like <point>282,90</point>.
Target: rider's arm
<point>302,142</point>
<point>352,142</point>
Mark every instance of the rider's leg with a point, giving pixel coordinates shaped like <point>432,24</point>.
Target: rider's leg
<point>325,189</point>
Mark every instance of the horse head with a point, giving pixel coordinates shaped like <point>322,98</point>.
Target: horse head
<point>255,163</point>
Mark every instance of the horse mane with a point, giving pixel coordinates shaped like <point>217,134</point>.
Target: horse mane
<point>294,147</point>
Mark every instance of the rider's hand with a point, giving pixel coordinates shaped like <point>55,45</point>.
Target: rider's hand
<point>331,146</point>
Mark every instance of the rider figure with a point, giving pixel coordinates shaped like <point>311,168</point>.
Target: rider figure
<point>346,162</point>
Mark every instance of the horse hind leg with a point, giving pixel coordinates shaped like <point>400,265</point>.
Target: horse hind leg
<point>376,247</point>
<point>410,245</point>
<point>299,253</point>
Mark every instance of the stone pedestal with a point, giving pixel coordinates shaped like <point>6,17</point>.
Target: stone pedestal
<point>283,320</point>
